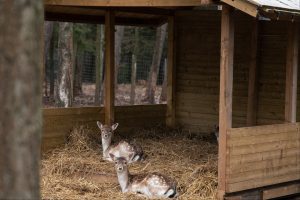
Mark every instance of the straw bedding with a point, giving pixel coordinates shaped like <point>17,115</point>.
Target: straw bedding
<point>66,173</point>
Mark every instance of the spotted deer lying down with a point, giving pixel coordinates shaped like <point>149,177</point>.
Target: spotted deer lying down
<point>130,152</point>
<point>152,185</point>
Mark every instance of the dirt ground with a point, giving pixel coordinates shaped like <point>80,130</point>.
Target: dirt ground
<point>122,97</point>
<point>190,159</point>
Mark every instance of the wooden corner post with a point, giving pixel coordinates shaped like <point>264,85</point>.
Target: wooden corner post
<point>291,73</point>
<point>170,120</point>
<point>253,76</point>
<point>226,82</point>
<point>109,97</point>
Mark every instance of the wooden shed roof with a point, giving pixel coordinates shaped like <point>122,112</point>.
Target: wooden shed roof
<point>284,4</point>
<point>154,12</point>
<point>278,9</point>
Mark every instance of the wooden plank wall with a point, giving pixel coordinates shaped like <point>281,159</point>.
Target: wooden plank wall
<point>262,155</point>
<point>198,70</point>
<point>58,122</point>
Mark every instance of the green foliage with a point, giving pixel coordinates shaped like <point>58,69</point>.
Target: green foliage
<point>84,36</point>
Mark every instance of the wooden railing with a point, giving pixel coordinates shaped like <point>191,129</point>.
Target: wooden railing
<point>58,122</point>
<point>262,155</point>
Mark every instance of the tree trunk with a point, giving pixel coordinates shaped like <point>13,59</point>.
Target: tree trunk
<point>118,44</point>
<point>152,79</point>
<point>163,95</point>
<point>65,41</point>
<point>77,86</point>
<point>21,67</point>
<point>48,30</point>
<point>99,63</point>
<point>133,79</point>
<point>51,68</point>
<point>134,65</point>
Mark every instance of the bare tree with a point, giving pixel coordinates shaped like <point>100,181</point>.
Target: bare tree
<point>99,63</point>
<point>163,95</point>
<point>77,70</point>
<point>21,25</point>
<point>134,65</point>
<point>152,79</point>
<point>51,66</point>
<point>65,41</point>
<point>48,29</point>
<point>119,34</point>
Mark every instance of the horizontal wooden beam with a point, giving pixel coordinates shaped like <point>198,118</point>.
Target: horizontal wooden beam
<point>129,3</point>
<point>243,6</point>
<point>94,19</point>
<point>284,190</point>
<point>140,11</point>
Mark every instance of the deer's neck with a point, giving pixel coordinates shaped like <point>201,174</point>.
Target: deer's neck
<point>105,145</point>
<point>123,179</point>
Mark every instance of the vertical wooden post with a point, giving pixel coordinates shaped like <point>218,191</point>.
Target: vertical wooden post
<point>291,73</point>
<point>226,82</point>
<point>253,77</point>
<point>109,67</point>
<point>170,118</point>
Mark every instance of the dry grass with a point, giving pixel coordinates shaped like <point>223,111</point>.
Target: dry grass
<point>191,160</point>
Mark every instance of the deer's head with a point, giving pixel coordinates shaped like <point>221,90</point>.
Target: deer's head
<point>107,131</point>
<point>120,164</point>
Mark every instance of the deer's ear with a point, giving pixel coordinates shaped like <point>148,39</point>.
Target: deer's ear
<point>99,124</point>
<point>114,126</point>
<point>112,156</point>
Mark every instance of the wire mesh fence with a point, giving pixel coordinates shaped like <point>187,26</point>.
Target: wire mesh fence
<point>140,65</point>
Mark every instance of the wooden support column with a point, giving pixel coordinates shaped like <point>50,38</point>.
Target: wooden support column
<point>253,76</point>
<point>291,73</point>
<point>109,97</point>
<point>170,120</point>
<point>226,82</point>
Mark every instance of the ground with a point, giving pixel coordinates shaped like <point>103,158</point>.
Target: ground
<point>76,171</point>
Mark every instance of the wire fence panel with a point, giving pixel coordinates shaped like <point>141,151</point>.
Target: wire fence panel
<point>140,59</point>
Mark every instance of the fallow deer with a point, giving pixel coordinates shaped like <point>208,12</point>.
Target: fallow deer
<point>131,152</point>
<point>152,185</point>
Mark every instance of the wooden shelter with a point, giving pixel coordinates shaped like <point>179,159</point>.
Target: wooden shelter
<point>235,65</point>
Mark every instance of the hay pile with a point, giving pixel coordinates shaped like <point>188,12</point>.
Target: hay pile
<point>192,161</point>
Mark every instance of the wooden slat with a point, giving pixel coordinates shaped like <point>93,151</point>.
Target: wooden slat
<point>281,191</point>
<point>72,111</point>
<point>170,119</point>
<point>253,79</point>
<point>262,139</point>
<point>265,155</point>
<point>267,173</point>
<point>291,73</point>
<point>259,130</point>
<point>122,3</point>
<point>109,96</point>
<point>261,165</point>
<point>226,82</point>
<point>233,187</point>
<point>264,147</point>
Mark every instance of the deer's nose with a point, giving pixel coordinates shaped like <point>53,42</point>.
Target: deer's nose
<point>120,168</point>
